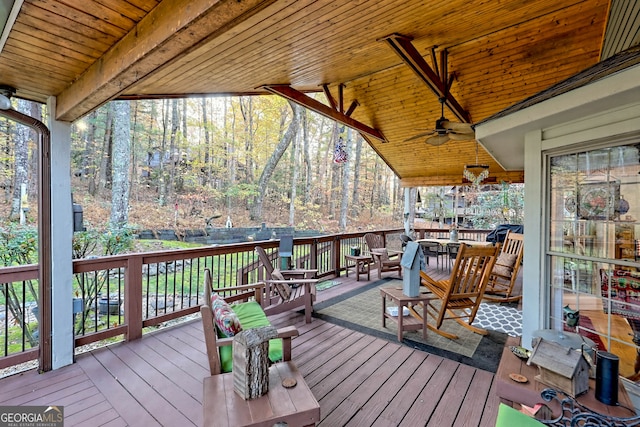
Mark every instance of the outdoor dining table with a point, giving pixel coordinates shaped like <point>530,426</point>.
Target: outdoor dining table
<point>445,242</point>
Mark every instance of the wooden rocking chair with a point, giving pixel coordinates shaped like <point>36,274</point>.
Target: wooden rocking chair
<point>505,271</point>
<point>459,296</point>
<point>287,289</point>
<point>383,259</point>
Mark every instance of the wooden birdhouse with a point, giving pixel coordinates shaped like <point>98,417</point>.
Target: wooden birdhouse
<point>563,368</point>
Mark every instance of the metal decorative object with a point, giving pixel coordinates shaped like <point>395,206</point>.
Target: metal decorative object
<point>575,414</point>
<point>469,171</point>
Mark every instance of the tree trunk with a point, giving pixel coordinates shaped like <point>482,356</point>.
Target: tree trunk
<point>134,160</point>
<point>162,184</point>
<point>294,183</point>
<point>105,164</point>
<point>36,113</point>
<point>307,157</point>
<point>121,156</point>
<point>344,204</point>
<point>206,167</point>
<point>90,147</point>
<point>21,163</point>
<point>355,196</point>
<point>338,131</point>
<point>174,154</point>
<point>270,166</point>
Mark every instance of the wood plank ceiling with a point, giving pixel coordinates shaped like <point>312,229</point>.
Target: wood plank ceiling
<point>87,52</point>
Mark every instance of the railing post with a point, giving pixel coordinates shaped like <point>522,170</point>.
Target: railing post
<point>133,298</point>
<point>337,256</point>
<point>314,255</point>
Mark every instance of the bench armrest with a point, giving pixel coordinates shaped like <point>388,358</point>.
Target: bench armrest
<point>286,334</point>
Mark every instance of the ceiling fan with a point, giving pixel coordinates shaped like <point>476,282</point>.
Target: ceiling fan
<point>446,130</point>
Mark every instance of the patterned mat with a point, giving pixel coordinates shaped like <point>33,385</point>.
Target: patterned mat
<point>499,317</point>
<point>361,310</point>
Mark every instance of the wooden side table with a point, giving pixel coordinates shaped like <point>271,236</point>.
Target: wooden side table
<point>361,263</point>
<point>510,391</point>
<point>296,406</point>
<point>405,323</point>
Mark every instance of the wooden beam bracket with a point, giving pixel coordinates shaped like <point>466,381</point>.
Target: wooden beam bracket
<point>434,79</point>
<point>300,98</point>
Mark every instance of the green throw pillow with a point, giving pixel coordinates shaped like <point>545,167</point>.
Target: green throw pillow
<point>251,316</point>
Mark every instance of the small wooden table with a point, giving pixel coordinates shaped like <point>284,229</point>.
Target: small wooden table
<point>296,406</point>
<point>361,263</point>
<point>409,323</point>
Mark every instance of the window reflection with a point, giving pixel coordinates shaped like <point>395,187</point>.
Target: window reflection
<point>594,249</point>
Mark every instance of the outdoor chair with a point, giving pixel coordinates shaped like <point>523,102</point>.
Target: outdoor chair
<point>505,271</point>
<point>452,253</point>
<point>383,258</point>
<point>458,297</point>
<point>239,309</point>
<point>433,249</point>
<point>404,239</point>
<point>287,289</point>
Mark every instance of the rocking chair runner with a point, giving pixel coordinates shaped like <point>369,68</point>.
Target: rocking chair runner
<point>459,296</point>
<point>383,258</point>
<point>287,289</point>
<point>505,271</point>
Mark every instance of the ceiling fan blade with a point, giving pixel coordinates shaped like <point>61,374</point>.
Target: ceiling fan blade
<point>420,135</point>
<point>458,126</point>
<point>437,139</point>
<point>456,136</point>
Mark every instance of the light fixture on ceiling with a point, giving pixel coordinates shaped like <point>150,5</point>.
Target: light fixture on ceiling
<point>6,92</point>
<point>477,173</point>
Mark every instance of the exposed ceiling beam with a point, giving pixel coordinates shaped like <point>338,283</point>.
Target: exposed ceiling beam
<point>169,31</point>
<point>298,97</point>
<point>438,81</point>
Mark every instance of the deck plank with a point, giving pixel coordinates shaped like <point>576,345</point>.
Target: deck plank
<point>395,385</point>
<point>353,403</point>
<point>120,399</point>
<point>359,380</point>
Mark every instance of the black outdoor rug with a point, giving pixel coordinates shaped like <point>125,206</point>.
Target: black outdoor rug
<point>361,310</point>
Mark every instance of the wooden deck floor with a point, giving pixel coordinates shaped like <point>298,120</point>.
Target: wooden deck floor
<point>358,379</point>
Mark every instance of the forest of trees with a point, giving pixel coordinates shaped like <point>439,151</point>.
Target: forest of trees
<point>187,163</point>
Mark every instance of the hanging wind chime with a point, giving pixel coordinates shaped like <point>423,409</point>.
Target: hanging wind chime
<point>340,152</point>
<point>470,171</point>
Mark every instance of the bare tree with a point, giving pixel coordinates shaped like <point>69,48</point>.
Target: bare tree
<point>355,195</point>
<point>121,156</point>
<point>307,156</point>
<point>21,160</point>
<point>270,166</point>
<point>294,182</point>
<point>105,164</point>
<point>344,204</point>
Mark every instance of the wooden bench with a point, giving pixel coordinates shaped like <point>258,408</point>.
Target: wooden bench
<point>221,404</point>
<point>245,302</point>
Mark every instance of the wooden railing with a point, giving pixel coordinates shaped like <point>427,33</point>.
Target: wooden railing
<point>120,297</point>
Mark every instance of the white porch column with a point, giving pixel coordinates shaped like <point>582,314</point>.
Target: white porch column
<point>61,236</point>
<point>534,289</point>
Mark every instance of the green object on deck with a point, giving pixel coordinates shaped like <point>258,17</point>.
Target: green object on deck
<point>509,417</point>
<point>251,316</point>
